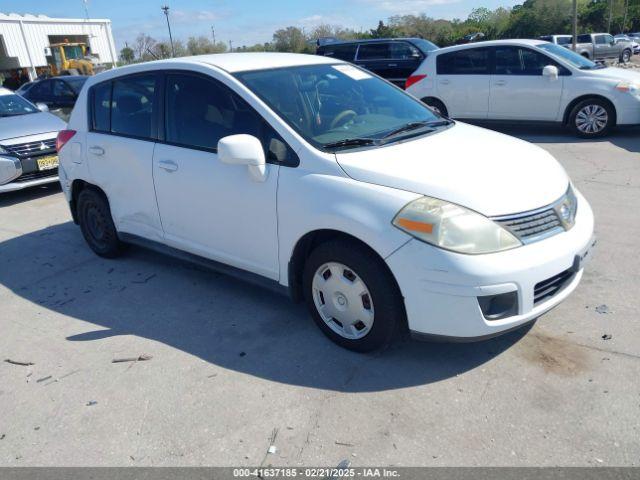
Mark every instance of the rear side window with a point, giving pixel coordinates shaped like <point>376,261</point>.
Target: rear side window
<point>125,106</point>
<point>132,105</point>
<point>343,52</point>
<point>374,51</point>
<point>584,38</point>
<point>101,103</point>
<point>472,61</point>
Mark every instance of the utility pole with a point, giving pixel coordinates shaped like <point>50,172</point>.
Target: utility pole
<point>213,35</point>
<point>165,9</point>
<point>575,25</point>
<point>230,45</point>
<point>610,15</point>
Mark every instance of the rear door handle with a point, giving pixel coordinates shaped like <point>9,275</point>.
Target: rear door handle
<point>168,165</point>
<point>444,82</point>
<point>96,150</point>
<point>500,82</point>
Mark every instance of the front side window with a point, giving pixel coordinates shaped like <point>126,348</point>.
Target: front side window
<point>470,61</point>
<point>572,58</point>
<point>601,39</point>
<point>41,89</point>
<point>519,61</point>
<point>328,104</point>
<point>374,51</point>
<point>132,105</point>
<point>61,89</point>
<point>403,51</point>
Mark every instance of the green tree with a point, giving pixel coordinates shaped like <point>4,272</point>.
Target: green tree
<point>291,39</point>
<point>127,55</point>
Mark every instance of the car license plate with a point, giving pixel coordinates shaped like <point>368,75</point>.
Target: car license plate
<point>48,162</point>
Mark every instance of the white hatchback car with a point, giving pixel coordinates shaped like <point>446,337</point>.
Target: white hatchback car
<point>527,80</point>
<point>317,176</point>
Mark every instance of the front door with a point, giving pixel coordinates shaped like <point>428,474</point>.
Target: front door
<point>209,208</point>
<point>518,88</point>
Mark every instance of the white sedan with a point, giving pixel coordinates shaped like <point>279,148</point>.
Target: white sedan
<point>315,176</point>
<point>527,80</point>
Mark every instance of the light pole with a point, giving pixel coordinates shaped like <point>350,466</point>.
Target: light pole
<point>213,35</point>
<point>165,9</point>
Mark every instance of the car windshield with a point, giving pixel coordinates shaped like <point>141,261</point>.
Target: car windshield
<point>76,83</point>
<point>12,105</point>
<point>569,56</point>
<point>340,106</point>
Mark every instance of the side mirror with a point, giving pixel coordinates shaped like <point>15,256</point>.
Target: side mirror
<point>42,107</point>
<point>244,150</point>
<point>551,71</point>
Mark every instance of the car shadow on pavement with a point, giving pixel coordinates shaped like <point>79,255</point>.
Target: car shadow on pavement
<point>627,138</point>
<point>222,320</point>
<point>8,199</point>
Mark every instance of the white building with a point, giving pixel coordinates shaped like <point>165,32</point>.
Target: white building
<point>24,39</point>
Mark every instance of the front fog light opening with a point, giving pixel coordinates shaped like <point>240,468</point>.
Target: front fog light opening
<point>497,307</point>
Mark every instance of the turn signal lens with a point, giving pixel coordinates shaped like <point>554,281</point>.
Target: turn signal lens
<point>63,137</point>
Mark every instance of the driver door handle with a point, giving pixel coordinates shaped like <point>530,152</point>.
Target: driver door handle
<point>168,165</point>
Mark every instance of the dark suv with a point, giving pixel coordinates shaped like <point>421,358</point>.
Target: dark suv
<point>394,59</point>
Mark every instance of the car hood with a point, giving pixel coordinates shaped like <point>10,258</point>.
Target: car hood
<point>30,124</point>
<point>616,73</point>
<point>488,172</point>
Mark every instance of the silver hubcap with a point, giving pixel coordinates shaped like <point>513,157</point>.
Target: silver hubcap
<point>343,300</point>
<point>592,119</point>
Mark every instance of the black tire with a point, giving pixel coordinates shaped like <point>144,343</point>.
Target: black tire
<point>593,103</point>
<point>625,56</point>
<point>386,299</point>
<point>96,224</point>
<point>437,105</point>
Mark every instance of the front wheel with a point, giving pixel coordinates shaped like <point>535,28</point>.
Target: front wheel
<point>436,105</point>
<point>592,118</point>
<point>352,296</point>
<point>626,56</point>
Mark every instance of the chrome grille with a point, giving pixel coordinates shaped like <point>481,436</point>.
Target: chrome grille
<point>532,226</point>
<point>549,287</point>
<point>31,149</point>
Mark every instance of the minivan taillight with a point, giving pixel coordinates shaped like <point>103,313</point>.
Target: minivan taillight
<point>63,137</point>
<point>413,79</point>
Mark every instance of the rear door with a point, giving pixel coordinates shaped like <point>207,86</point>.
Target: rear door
<point>518,88</point>
<point>119,150</point>
<point>462,82</point>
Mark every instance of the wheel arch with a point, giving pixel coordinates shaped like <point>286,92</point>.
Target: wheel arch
<point>433,97</point>
<point>76,187</point>
<point>575,101</point>
<point>307,243</point>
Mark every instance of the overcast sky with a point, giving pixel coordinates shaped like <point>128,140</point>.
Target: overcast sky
<point>245,22</point>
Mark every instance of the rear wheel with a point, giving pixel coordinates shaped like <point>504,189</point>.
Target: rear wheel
<point>352,296</point>
<point>96,224</point>
<point>592,118</point>
<point>436,105</point>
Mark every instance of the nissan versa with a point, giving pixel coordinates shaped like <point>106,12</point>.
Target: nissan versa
<point>325,179</point>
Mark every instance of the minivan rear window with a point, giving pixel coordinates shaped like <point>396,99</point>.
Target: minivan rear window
<point>374,51</point>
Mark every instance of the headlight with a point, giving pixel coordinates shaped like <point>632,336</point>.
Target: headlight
<point>567,208</point>
<point>629,87</point>
<point>453,227</point>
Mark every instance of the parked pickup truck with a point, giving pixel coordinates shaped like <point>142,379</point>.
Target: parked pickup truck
<point>602,46</point>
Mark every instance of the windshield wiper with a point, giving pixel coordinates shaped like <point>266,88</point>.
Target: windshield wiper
<point>406,128</point>
<point>350,142</point>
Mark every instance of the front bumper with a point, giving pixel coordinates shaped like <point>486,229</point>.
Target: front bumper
<point>19,185</point>
<point>441,288</point>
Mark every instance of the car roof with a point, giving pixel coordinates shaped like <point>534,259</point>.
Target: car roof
<point>229,62</point>
<point>369,40</point>
<point>492,43</point>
